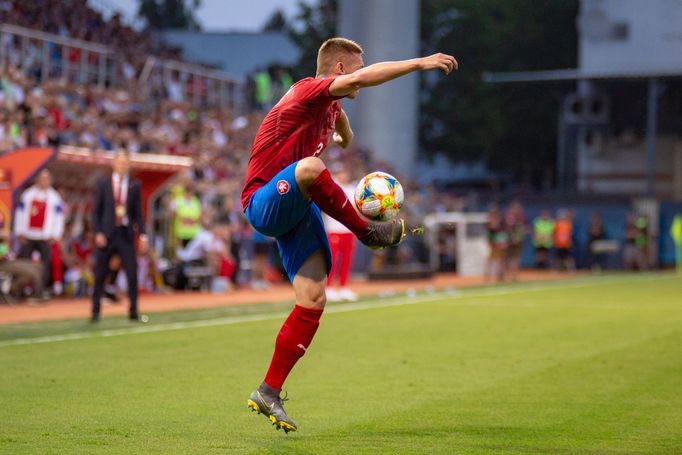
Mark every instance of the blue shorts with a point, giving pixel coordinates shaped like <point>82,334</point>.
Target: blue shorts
<point>278,209</point>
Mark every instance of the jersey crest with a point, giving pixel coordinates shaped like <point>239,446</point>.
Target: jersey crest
<point>283,187</point>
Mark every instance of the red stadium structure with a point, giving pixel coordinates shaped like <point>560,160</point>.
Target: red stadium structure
<point>75,170</point>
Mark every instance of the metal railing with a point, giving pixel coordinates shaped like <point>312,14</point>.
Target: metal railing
<point>198,85</point>
<point>47,56</point>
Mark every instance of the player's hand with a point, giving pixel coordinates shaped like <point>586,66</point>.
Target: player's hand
<point>443,62</point>
<point>100,240</point>
<point>339,140</point>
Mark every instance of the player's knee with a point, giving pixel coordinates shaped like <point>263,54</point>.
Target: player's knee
<point>320,300</point>
<point>308,169</point>
<point>316,299</point>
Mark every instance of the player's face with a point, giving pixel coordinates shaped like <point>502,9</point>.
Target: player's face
<point>353,63</point>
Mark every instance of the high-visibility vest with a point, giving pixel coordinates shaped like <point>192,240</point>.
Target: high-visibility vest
<point>287,81</point>
<point>641,224</point>
<point>563,233</point>
<point>263,88</point>
<point>676,234</point>
<point>543,231</point>
<point>676,229</point>
<point>498,237</point>
<point>187,217</point>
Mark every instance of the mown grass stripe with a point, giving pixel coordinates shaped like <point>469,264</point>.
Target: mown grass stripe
<point>375,303</point>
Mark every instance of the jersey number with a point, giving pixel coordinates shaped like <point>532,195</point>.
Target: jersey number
<point>320,146</point>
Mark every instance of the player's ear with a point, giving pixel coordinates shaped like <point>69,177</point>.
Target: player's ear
<point>340,68</point>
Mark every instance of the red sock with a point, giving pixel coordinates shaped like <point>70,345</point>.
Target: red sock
<point>292,341</point>
<point>331,199</point>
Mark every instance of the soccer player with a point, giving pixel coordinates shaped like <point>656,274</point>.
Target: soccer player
<point>287,185</point>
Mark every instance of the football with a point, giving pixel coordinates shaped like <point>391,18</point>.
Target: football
<point>379,196</point>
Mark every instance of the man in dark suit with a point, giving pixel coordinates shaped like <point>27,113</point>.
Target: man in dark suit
<point>116,217</point>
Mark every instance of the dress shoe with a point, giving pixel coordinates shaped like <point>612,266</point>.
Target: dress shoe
<point>141,318</point>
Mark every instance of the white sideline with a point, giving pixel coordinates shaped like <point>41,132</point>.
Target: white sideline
<point>341,308</point>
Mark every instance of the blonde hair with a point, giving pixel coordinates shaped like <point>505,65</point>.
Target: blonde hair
<point>331,50</point>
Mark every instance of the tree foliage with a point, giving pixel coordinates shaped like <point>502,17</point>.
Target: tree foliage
<point>162,14</point>
<point>277,22</point>
<point>312,24</point>
<point>510,127</point>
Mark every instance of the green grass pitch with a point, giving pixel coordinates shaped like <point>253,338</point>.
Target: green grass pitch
<point>588,365</point>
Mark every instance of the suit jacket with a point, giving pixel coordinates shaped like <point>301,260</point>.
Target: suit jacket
<point>104,208</point>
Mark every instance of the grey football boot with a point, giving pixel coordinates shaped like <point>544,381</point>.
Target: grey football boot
<point>266,400</point>
<point>381,234</point>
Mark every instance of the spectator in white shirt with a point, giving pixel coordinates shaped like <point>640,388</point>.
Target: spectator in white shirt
<point>39,221</point>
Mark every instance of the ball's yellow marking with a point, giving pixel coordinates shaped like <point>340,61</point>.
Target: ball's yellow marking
<point>387,202</point>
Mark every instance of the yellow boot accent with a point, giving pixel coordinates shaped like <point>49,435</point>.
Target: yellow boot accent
<point>253,406</point>
<point>282,425</point>
<point>286,427</point>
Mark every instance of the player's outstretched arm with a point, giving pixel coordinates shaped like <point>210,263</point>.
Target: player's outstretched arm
<point>343,134</point>
<point>379,73</point>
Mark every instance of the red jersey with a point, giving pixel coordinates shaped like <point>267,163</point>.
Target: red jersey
<point>297,127</point>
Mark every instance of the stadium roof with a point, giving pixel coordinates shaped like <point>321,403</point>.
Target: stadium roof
<point>572,74</point>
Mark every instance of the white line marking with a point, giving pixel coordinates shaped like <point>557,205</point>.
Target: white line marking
<point>342,308</point>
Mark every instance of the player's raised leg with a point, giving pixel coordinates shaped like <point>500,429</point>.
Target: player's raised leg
<point>316,184</point>
<point>293,339</point>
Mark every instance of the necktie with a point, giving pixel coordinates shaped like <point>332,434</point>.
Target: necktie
<point>118,196</point>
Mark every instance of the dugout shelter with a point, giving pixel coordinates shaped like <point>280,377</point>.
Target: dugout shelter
<point>75,171</point>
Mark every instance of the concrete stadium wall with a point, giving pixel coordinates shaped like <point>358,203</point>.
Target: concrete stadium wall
<point>613,31</point>
<point>611,168</point>
<point>385,119</point>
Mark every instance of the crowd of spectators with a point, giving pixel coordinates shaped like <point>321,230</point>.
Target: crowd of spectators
<point>76,19</point>
<point>554,241</point>
<point>60,112</point>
